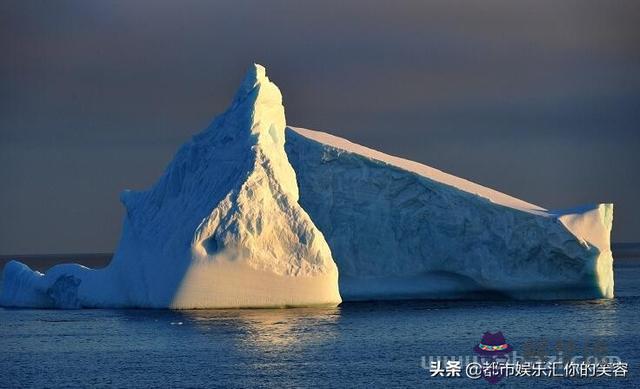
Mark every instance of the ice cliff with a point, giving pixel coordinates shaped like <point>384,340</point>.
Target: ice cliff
<point>400,229</point>
<point>240,217</point>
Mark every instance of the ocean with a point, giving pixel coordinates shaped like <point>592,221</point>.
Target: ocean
<point>377,344</point>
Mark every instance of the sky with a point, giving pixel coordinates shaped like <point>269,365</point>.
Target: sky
<point>538,99</point>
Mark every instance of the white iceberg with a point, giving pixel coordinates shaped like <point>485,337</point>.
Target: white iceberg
<point>221,228</point>
<point>237,221</point>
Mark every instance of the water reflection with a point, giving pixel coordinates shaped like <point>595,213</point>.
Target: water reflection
<point>270,330</point>
<point>600,317</point>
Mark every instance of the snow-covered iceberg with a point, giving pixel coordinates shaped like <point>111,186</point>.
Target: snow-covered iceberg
<point>221,228</point>
<point>241,214</point>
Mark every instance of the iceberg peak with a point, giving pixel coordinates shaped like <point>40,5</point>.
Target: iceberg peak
<point>256,107</point>
<point>255,75</point>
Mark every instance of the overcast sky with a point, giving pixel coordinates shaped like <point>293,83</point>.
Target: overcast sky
<point>538,99</point>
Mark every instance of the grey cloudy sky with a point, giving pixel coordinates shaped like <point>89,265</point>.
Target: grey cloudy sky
<point>539,99</point>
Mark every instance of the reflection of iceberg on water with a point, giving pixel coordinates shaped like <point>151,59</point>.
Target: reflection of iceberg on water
<point>241,219</point>
<point>270,330</point>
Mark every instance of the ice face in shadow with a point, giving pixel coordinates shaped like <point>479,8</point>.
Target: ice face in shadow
<point>221,228</point>
<point>400,229</point>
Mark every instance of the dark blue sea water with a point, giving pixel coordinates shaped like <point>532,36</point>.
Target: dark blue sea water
<point>355,345</point>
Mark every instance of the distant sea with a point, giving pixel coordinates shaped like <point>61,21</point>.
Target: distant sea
<point>378,344</point>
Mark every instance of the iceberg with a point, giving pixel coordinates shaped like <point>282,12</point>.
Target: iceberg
<point>252,213</point>
<point>222,228</point>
